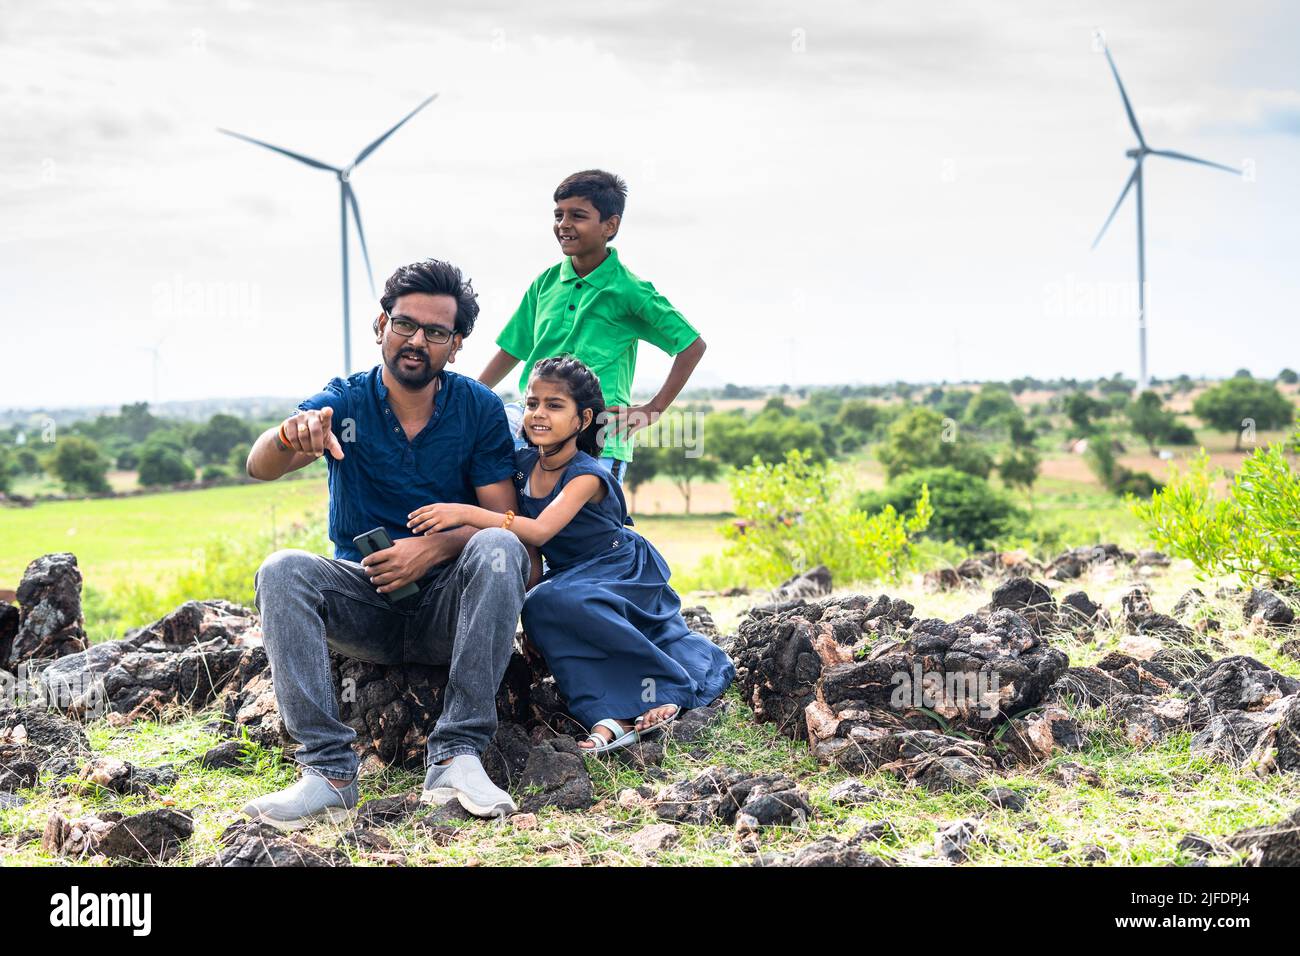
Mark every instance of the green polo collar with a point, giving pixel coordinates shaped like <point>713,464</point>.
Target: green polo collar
<point>598,277</point>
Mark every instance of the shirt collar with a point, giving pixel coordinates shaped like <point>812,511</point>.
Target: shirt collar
<point>598,277</point>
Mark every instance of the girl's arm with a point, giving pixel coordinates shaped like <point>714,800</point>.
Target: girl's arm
<point>534,531</point>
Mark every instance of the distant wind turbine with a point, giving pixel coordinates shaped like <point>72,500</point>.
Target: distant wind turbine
<point>347,198</point>
<point>1135,178</point>
<point>155,349</point>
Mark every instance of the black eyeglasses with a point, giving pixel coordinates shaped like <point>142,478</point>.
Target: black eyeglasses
<point>435,334</point>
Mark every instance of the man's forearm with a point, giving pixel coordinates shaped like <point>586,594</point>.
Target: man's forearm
<point>683,365</point>
<point>268,461</point>
<point>497,368</point>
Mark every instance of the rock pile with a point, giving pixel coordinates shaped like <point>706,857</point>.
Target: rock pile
<point>863,681</point>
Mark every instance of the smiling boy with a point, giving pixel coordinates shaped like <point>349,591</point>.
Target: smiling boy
<point>594,308</point>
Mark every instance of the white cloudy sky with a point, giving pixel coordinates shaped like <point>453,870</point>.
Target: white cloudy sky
<point>831,192</point>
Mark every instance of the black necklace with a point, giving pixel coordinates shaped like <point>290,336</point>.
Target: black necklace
<point>556,468</point>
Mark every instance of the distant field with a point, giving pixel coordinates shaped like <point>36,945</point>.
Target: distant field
<point>146,538</point>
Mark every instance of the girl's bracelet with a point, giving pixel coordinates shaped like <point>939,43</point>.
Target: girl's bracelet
<point>510,516</point>
<point>283,439</point>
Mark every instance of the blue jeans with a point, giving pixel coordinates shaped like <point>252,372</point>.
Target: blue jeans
<point>515,419</point>
<point>465,615</point>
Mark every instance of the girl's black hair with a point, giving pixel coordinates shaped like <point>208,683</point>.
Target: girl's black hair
<point>584,388</point>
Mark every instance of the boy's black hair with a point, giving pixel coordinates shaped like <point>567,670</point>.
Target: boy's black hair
<point>434,277</point>
<point>584,388</point>
<point>605,191</point>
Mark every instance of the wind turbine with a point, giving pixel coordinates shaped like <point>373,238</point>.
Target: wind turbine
<point>1138,154</point>
<point>347,198</point>
<point>155,349</point>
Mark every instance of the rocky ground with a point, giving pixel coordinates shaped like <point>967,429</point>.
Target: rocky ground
<point>1098,709</point>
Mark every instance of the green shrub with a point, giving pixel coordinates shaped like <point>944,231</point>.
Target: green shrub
<point>1250,532</point>
<point>922,438</point>
<point>163,465</point>
<point>79,464</point>
<point>1230,405</point>
<point>967,509</point>
<point>796,515</point>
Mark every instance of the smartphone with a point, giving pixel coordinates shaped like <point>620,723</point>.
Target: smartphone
<point>378,540</point>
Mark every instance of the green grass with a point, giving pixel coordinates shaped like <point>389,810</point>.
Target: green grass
<point>153,536</point>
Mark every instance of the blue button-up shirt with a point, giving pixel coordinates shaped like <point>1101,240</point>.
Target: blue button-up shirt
<point>384,476</point>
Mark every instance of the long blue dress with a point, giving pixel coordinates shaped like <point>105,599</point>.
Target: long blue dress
<point>604,616</point>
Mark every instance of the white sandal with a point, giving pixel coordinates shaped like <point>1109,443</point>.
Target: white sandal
<point>622,737</point>
<point>647,732</point>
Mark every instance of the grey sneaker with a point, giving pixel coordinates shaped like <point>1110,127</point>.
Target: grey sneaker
<point>465,780</point>
<point>310,800</point>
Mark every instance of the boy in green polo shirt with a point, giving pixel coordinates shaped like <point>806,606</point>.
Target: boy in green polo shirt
<point>592,307</point>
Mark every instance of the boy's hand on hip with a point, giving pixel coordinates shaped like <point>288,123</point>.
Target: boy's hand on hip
<point>408,560</point>
<point>627,420</point>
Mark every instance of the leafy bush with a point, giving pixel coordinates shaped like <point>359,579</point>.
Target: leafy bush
<point>79,464</point>
<point>732,439</point>
<point>798,514</point>
<point>1115,477</point>
<point>162,464</point>
<point>921,438</point>
<point>1250,532</point>
<point>967,509</point>
<point>1230,405</point>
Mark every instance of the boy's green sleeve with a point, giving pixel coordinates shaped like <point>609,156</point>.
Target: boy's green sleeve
<point>660,324</point>
<point>517,337</point>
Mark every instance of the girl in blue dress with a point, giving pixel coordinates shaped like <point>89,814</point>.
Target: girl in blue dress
<point>603,615</point>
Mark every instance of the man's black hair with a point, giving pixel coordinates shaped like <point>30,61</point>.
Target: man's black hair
<point>605,191</point>
<point>434,277</point>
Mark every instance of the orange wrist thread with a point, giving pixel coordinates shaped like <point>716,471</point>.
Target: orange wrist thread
<point>510,516</point>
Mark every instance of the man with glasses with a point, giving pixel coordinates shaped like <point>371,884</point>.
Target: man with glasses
<point>407,433</point>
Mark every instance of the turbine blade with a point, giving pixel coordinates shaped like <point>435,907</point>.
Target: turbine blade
<point>1192,159</point>
<point>361,234</point>
<point>375,145</point>
<point>1119,202</point>
<point>284,152</point>
<point>1128,107</point>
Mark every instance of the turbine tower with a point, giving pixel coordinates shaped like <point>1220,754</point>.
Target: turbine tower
<point>347,199</point>
<point>1138,154</point>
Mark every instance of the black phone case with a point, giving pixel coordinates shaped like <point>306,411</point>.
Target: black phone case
<point>378,539</point>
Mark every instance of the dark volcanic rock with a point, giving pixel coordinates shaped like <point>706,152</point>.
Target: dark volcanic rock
<point>1276,845</point>
<point>810,584</point>
<point>391,708</point>
<point>1268,739</point>
<point>953,841</point>
<point>827,851</point>
<point>1032,600</point>
<point>256,844</point>
<point>229,755</point>
<point>1235,683</point>
<point>721,796</point>
<point>1264,607</point>
<point>50,622</point>
<point>31,738</point>
<point>1080,612</point>
<point>1148,720</point>
<point>185,659</point>
<point>147,837</point>
<point>1090,686</point>
<point>9,617</point>
<point>555,776</point>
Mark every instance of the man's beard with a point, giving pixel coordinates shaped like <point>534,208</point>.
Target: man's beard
<point>412,380</point>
